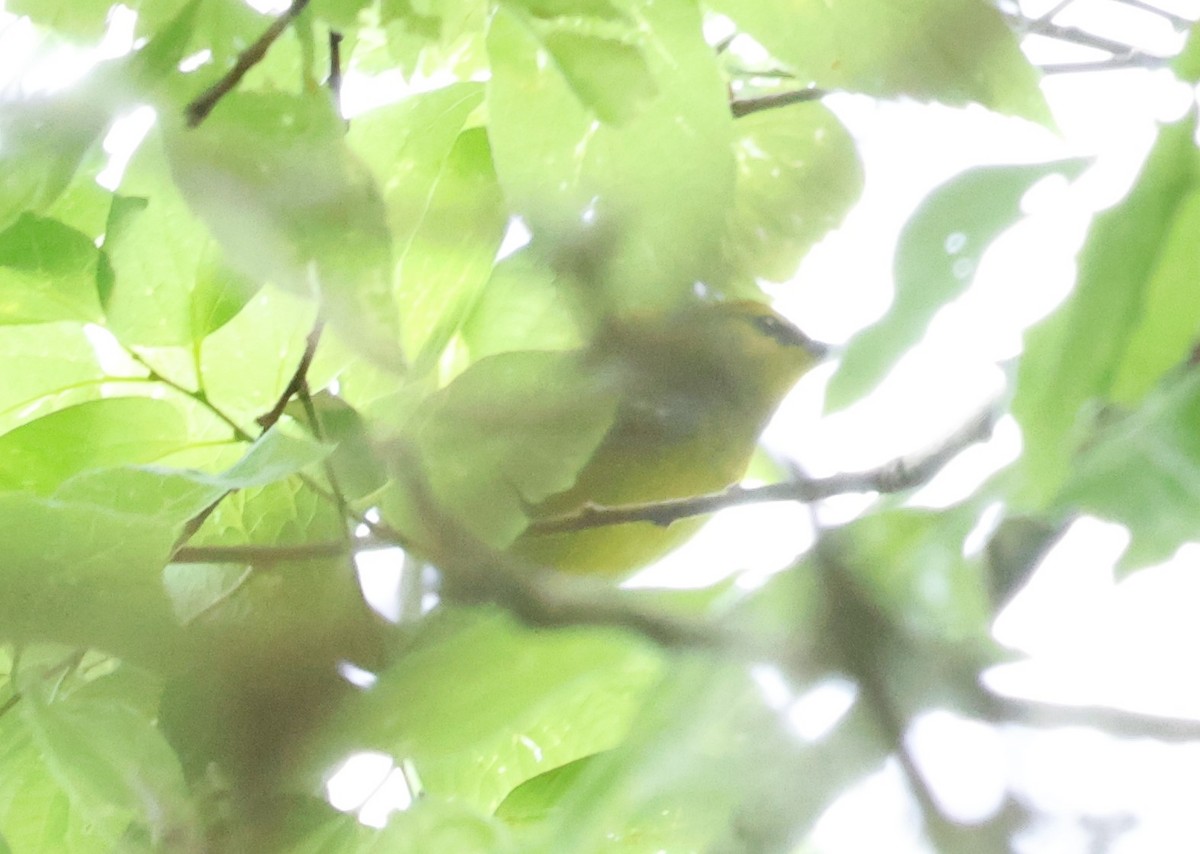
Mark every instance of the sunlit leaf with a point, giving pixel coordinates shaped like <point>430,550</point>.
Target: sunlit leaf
<point>1143,471</point>
<point>41,454</point>
<point>111,761</point>
<point>798,174</point>
<point>952,51</point>
<point>635,211</point>
<point>47,273</point>
<point>1073,357</point>
<point>271,177</point>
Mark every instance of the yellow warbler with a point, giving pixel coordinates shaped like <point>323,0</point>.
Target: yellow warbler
<point>655,407</point>
<point>697,388</point>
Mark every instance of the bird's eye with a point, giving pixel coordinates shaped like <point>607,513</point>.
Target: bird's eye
<point>770,325</point>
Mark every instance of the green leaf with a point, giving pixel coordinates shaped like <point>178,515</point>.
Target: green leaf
<point>510,431</point>
<point>552,697</point>
<point>636,212</point>
<point>79,19</point>
<point>952,51</point>
<point>113,763</point>
<point>938,252</point>
<point>47,273</point>
<point>1142,470</point>
<point>171,286</point>
<point>41,454</point>
<point>1187,63</point>
<point>35,815</point>
<point>45,140</point>
<point>522,307</point>
<point>1075,356</point>
<point>448,259</point>
<point>86,576</point>
<point>57,362</point>
<point>444,207</point>
<point>271,176</point>
<point>798,175</point>
<point>911,564</point>
<point>608,75</point>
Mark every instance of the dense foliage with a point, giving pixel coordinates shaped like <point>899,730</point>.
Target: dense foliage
<point>230,370</point>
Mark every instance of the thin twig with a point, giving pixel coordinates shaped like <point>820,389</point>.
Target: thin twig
<point>1116,722</point>
<point>1114,63</point>
<point>896,476</point>
<point>473,574</point>
<point>1071,35</point>
<point>746,106</point>
<point>198,110</point>
<point>298,381</point>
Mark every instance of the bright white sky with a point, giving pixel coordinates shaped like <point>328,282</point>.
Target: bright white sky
<point>1090,639</point>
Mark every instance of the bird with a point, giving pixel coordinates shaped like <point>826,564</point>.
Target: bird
<point>657,405</point>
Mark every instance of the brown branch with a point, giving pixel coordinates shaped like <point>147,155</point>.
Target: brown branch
<point>474,573</point>
<point>896,476</point>
<point>263,555</point>
<point>335,68</point>
<point>1071,35</point>
<point>198,110</point>
<point>1116,722</point>
<point>298,382</point>
<point>746,106</point>
<point>1113,63</point>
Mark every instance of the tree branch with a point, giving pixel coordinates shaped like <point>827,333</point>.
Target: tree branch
<point>1115,722</point>
<point>1113,63</point>
<point>895,476</point>
<point>198,110</point>
<point>298,382</point>
<point>264,555</point>
<point>1071,35</point>
<point>746,106</point>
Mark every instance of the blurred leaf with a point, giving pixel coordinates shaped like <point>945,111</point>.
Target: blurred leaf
<point>41,454</point>
<point>798,174</point>
<point>1169,326</point>
<point>358,468</point>
<point>1187,63</point>
<point>35,815</point>
<point>636,212</point>
<point>521,308</point>
<point>952,51</point>
<point>80,19</point>
<point>448,259</point>
<point>510,431</point>
<point>910,562</point>
<point>1014,552</point>
<point>171,285</point>
<point>936,259</point>
<point>87,576</point>
<point>47,273</point>
<point>288,202</point>
<point>45,139</point>
<point>112,761</point>
<point>551,697</point>
<point>1074,356</point>
<point>1142,470</point>
<point>707,766</point>
<point>444,207</point>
